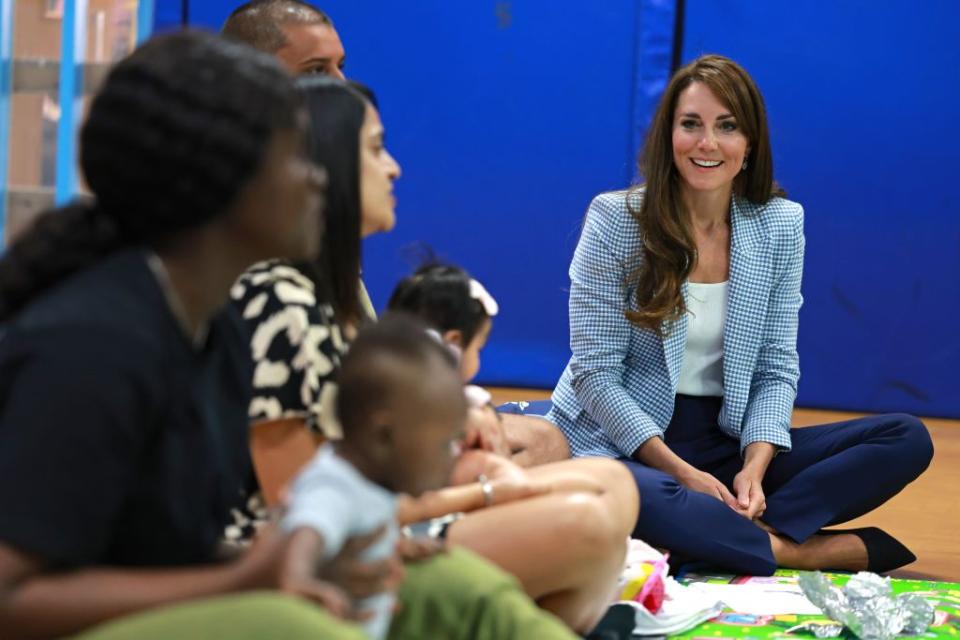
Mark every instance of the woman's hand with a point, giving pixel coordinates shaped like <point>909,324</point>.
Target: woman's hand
<point>476,462</point>
<point>469,465</point>
<point>484,430</point>
<point>655,453</point>
<point>696,480</point>
<point>500,468</point>
<point>508,490</point>
<point>751,503</point>
<point>748,484</point>
<point>516,485</point>
<point>508,481</point>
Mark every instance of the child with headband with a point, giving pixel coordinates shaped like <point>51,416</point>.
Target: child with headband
<point>453,303</point>
<point>461,311</point>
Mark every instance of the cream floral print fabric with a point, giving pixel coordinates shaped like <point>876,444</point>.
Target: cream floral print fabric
<point>296,345</point>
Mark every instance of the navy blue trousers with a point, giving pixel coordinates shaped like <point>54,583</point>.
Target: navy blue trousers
<point>834,473</point>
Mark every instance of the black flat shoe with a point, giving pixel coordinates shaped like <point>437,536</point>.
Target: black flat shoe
<point>884,552</point>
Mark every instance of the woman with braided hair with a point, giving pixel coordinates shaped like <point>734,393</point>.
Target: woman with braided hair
<point>119,381</point>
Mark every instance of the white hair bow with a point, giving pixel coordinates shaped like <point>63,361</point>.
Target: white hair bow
<point>479,293</point>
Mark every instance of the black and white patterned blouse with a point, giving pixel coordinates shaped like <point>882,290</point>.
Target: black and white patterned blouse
<point>296,346</point>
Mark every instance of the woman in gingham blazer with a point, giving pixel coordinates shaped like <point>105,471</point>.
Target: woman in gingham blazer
<point>684,300</point>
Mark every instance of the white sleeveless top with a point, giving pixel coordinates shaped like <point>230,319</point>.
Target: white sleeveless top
<point>702,370</point>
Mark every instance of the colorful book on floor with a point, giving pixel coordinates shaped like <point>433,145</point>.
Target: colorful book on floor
<point>763,609</point>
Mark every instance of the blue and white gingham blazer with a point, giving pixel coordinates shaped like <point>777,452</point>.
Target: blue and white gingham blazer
<point>619,386</point>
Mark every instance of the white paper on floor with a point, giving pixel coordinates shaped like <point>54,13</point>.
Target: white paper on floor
<point>759,599</point>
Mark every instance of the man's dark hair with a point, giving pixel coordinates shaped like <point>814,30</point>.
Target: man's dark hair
<point>258,23</point>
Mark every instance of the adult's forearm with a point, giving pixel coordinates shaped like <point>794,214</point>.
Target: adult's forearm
<point>55,605</point>
<point>757,457</point>
<point>605,399</point>
<point>656,454</point>
<point>434,504</point>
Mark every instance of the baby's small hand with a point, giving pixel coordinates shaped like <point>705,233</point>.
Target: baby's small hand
<point>358,576</point>
<point>327,595</point>
<point>420,548</point>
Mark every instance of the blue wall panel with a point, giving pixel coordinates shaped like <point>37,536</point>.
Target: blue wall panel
<point>6,80</point>
<point>168,14</point>
<point>863,100</point>
<point>507,117</point>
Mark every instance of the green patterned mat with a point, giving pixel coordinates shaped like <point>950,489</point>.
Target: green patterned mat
<point>730,624</point>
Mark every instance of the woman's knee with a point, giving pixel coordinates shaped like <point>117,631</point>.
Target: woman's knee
<point>915,447</point>
<point>620,483</point>
<point>618,475</point>
<point>584,522</point>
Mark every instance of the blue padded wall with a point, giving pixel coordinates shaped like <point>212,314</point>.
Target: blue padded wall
<point>863,101</point>
<point>507,117</point>
<point>168,14</point>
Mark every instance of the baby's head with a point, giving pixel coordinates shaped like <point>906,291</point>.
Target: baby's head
<point>453,303</point>
<point>401,405</point>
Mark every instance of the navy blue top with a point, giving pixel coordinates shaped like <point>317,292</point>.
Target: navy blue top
<point>121,443</point>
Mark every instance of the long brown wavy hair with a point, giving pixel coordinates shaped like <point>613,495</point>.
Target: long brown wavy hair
<point>670,252</point>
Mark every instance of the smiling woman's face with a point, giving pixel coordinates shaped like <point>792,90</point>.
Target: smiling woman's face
<point>708,145</point>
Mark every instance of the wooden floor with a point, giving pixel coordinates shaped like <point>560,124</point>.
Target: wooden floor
<point>925,516</point>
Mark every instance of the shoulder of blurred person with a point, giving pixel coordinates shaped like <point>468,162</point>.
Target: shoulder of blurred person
<point>99,364</point>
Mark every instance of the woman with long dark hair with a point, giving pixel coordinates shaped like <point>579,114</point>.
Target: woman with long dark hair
<point>566,547</point>
<point>293,362</point>
<point>684,302</point>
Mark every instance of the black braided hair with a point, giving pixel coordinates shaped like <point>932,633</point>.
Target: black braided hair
<point>439,294</point>
<point>174,133</point>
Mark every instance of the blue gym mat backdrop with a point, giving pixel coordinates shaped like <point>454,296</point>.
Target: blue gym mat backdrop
<point>507,117</point>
